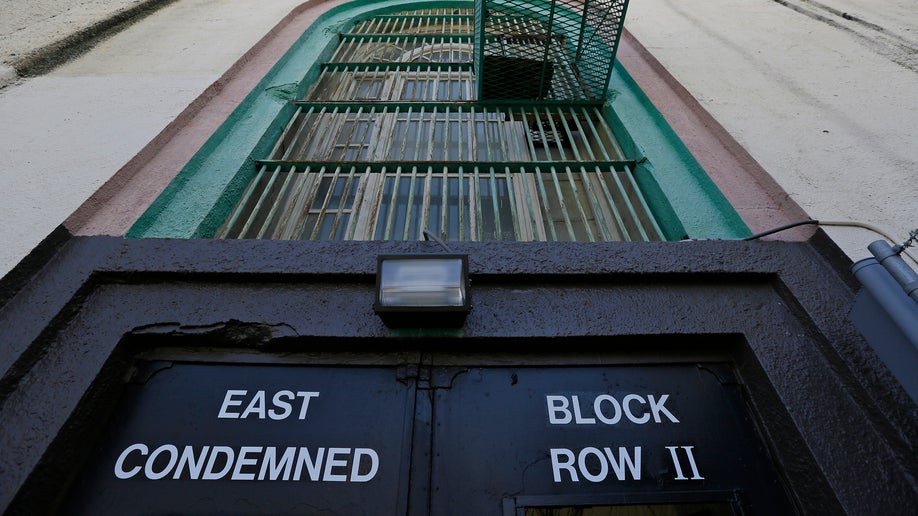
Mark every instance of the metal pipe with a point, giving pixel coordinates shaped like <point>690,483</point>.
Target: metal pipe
<point>884,290</point>
<point>888,256</point>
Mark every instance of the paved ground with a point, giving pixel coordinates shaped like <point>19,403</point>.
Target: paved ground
<point>823,94</point>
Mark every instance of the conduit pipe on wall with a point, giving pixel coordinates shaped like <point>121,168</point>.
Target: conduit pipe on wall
<point>887,292</point>
<point>888,319</point>
<point>889,258</point>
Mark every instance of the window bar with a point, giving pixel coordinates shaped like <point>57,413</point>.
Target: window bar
<point>349,232</point>
<point>461,210</point>
<point>628,204</point>
<point>317,137</point>
<point>555,134</point>
<point>459,132</point>
<point>502,137</point>
<point>435,94</point>
<point>643,202</point>
<point>567,220</point>
<point>263,198</point>
<point>342,210</point>
<point>388,139</point>
<point>587,141</point>
<point>610,136</point>
<point>340,53</point>
<point>331,138</point>
<point>495,207</point>
<point>610,202</point>
<point>420,131</point>
<point>517,138</point>
<point>562,118</point>
<point>431,138</point>
<point>348,135</point>
<point>297,139</point>
<point>580,209</point>
<point>546,209</point>
<point>283,142</point>
<point>475,197</point>
<point>514,215</point>
<point>446,124</point>
<point>470,127</point>
<point>311,182</point>
<point>404,138</point>
<point>549,156</point>
<point>425,202</point>
<point>444,205</point>
<point>247,194</point>
<point>602,225</point>
<point>409,206</point>
<point>279,199</point>
<point>393,201</point>
<point>528,135</point>
<point>492,135</point>
<point>295,214</point>
<point>323,209</point>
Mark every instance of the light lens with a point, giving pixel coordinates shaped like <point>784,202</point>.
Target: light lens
<point>421,282</point>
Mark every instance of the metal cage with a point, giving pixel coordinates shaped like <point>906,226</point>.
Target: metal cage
<point>560,50</point>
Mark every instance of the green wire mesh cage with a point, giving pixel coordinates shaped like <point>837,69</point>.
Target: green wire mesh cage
<point>555,50</point>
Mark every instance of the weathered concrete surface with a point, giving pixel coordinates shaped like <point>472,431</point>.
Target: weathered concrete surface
<point>823,94</point>
<point>67,132</point>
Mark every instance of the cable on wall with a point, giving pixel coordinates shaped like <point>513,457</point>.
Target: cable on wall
<point>900,248</point>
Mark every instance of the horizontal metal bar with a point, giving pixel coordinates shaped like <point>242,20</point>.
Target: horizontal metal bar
<point>359,66</point>
<point>411,36</point>
<point>452,166</point>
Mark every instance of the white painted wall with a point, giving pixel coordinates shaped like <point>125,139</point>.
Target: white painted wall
<point>827,105</point>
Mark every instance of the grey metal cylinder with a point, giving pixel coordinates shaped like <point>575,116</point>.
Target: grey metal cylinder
<point>887,256</point>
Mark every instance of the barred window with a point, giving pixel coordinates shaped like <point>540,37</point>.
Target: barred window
<point>391,140</point>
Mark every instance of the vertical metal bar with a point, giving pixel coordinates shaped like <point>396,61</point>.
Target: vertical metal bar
<point>549,155</point>
<point>475,196</point>
<point>417,138</point>
<point>444,204</point>
<point>494,204</point>
<point>628,205</point>
<point>277,201</point>
<point>462,209</point>
<point>610,202</point>
<point>409,207</point>
<point>263,198</point>
<point>425,202</point>
<point>576,193</point>
<point>237,212</point>
<point>392,203</point>
<point>325,202</point>
<point>645,208</point>
<point>312,182</point>
<point>563,204</point>
<point>358,204</point>
<point>349,181</point>
<point>546,208</point>
<point>514,215</point>
<point>295,215</point>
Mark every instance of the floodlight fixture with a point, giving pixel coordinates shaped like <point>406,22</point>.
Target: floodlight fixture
<point>422,290</point>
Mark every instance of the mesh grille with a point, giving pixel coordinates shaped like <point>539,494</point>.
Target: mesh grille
<point>560,50</point>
